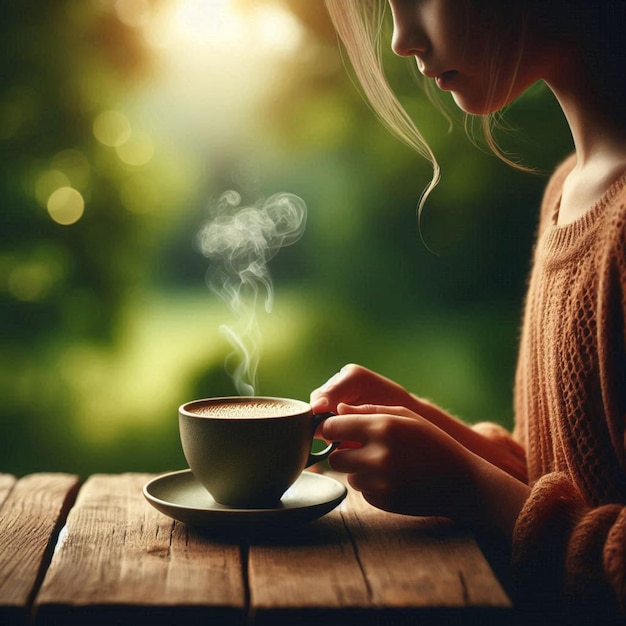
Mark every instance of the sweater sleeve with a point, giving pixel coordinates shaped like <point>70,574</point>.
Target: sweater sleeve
<point>564,550</point>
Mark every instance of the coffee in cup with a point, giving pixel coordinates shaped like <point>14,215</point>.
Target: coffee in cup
<point>248,450</point>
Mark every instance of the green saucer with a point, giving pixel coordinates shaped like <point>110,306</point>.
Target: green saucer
<point>179,496</point>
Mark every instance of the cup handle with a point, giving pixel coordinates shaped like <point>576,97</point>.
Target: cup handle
<point>316,457</point>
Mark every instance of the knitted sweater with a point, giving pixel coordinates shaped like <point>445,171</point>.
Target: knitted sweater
<point>569,543</point>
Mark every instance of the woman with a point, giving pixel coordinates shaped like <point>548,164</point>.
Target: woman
<point>554,491</point>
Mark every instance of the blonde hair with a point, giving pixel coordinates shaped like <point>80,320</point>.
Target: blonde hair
<point>359,26</point>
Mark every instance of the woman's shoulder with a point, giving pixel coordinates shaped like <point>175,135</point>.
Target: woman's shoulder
<point>554,188</point>
<point>560,173</point>
<point>564,168</point>
<point>616,216</point>
<point>611,215</point>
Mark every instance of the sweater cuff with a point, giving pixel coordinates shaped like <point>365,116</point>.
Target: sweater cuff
<point>587,586</point>
<point>540,541</point>
<point>615,558</point>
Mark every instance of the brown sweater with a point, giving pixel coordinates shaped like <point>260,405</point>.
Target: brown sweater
<point>569,543</point>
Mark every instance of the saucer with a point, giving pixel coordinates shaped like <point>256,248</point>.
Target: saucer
<point>179,496</point>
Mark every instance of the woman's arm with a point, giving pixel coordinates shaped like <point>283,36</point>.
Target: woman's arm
<point>357,385</point>
<point>403,463</point>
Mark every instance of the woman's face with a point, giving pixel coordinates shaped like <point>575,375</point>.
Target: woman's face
<point>471,49</point>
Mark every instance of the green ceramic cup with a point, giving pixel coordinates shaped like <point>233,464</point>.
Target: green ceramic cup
<point>248,450</point>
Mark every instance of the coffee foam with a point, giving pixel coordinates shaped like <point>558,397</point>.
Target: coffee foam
<point>246,409</point>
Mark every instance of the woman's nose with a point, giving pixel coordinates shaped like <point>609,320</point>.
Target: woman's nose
<point>408,38</point>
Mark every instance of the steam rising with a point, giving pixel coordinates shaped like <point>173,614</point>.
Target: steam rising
<point>240,240</point>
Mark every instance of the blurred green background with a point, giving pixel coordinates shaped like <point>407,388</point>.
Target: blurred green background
<point>121,121</point>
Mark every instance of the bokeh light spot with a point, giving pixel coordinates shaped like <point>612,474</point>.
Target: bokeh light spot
<point>137,151</point>
<point>112,128</point>
<point>47,183</point>
<point>30,282</point>
<point>75,165</point>
<point>34,273</point>
<point>66,206</point>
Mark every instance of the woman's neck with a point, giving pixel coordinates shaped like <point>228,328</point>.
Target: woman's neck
<point>599,135</point>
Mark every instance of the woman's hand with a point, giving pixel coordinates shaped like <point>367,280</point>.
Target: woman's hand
<point>399,461</point>
<point>403,463</point>
<point>357,385</point>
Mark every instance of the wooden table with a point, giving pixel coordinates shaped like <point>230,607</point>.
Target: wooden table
<point>98,553</point>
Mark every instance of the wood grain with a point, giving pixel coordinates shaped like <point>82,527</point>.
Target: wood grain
<point>6,484</point>
<point>31,514</point>
<point>120,561</point>
<point>306,574</point>
<point>423,566</point>
<point>362,564</point>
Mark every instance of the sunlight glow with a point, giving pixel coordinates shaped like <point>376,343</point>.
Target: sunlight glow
<point>196,26</point>
<point>133,13</point>
<point>207,21</point>
<point>189,24</point>
<point>217,60</point>
<point>277,30</point>
<point>185,24</point>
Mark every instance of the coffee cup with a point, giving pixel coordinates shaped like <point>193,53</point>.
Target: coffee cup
<point>248,450</point>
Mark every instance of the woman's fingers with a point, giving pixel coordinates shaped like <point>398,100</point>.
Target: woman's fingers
<point>327,396</point>
<point>368,431</point>
<point>374,409</point>
<point>361,423</point>
<point>350,460</point>
<point>370,485</point>
<point>356,384</point>
<point>343,428</point>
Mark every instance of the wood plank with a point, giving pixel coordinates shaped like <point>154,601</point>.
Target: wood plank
<point>423,566</point>
<point>121,561</point>
<point>31,515</point>
<point>362,564</point>
<point>307,575</point>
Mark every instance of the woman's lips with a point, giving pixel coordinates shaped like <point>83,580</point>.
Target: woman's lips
<point>445,80</point>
